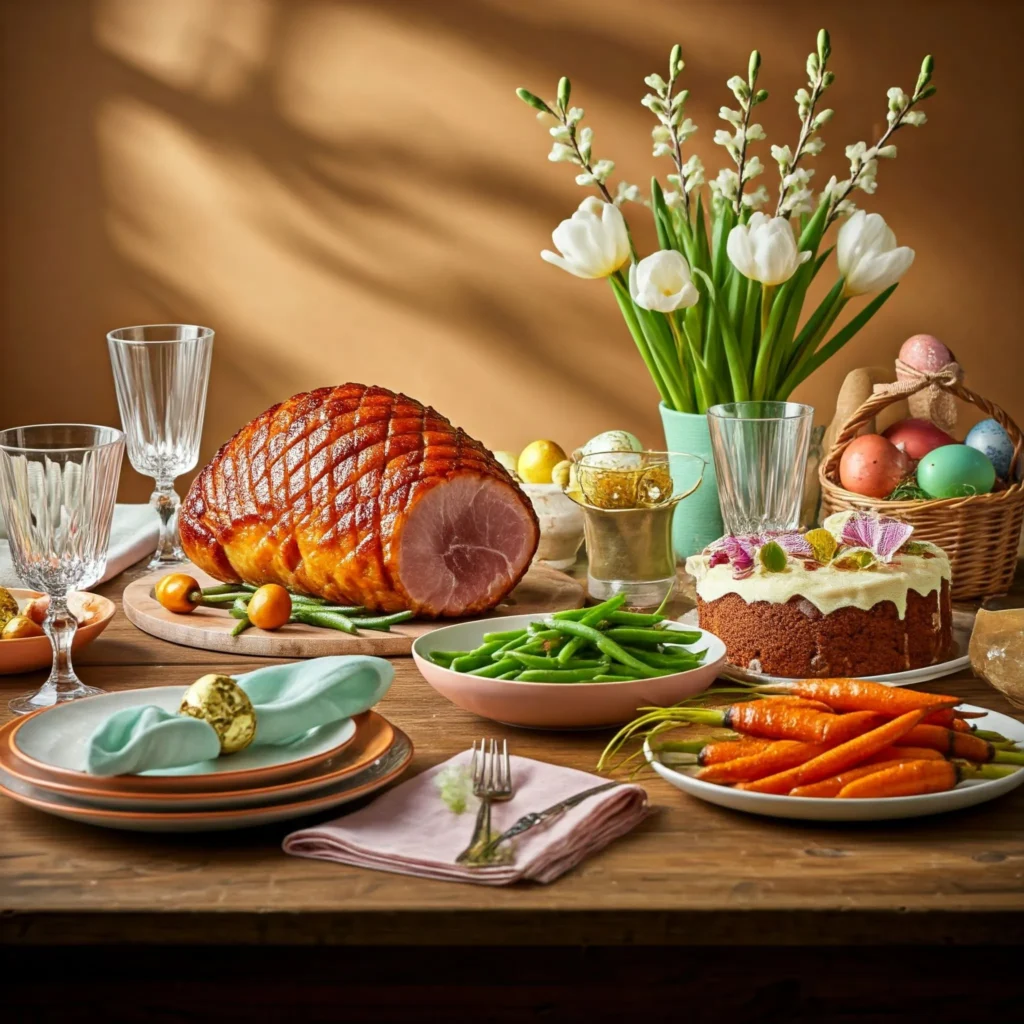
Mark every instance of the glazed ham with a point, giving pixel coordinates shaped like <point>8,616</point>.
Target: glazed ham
<point>362,496</point>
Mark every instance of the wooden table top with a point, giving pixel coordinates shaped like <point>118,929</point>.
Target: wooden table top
<point>691,874</point>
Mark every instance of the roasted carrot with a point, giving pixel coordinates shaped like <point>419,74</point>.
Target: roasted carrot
<point>950,743</point>
<point>799,702</point>
<point>712,751</point>
<point>915,778</point>
<point>779,721</point>
<point>839,758</point>
<point>950,718</point>
<point>833,785</point>
<point>906,753</point>
<point>860,695</point>
<point>777,757</point>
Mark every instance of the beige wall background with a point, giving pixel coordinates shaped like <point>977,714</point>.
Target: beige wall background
<point>351,191</point>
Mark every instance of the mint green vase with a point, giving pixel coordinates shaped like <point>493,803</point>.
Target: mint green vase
<point>698,519</point>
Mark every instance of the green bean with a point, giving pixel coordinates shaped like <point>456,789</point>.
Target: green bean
<point>621,618</point>
<point>558,675</point>
<point>510,634</point>
<point>222,588</point>
<point>444,658</point>
<point>215,600</point>
<point>573,614</point>
<point>341,609</point>
<point>509,675</point>
<point>494,668</point>
<point>511,645</point>
<point>477,658</point>
<point>656,660</point>
<point>590,619</point>
<point>532,661</point>
<point>238,610</point>
<point>329,620</point>
<point>381,621</point>
<point>627,635</point>
<point>614,679</point>
<point>579,630</point>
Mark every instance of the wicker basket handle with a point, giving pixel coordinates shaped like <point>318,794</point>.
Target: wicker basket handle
<point>886,394</point>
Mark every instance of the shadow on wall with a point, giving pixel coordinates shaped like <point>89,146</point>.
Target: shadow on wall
<point>349,191</point>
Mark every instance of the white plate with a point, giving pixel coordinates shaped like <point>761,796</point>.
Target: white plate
<point>380,773</point>
<point>60,736</point>
<point>963,623</point>
<point>828,809</point>
<point>556,705</point>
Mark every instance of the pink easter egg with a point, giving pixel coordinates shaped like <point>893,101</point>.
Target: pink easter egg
<point>925,353</point>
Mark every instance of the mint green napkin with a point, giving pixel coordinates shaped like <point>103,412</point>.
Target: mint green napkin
<point>289,700</point>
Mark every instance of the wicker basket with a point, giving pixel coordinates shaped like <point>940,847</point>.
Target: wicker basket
<point>980,533</point>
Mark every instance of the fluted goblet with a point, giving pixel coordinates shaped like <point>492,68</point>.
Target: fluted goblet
<point>58,482</point>
<point>161,372</point>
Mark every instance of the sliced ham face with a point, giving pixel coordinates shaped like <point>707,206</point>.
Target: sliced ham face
<point>464,545</point>
<point>362,496</point>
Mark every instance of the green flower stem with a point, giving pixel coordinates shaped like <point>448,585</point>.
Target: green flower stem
<point>740,390</point>
<point>819,358</point>
<point>621,291</point>
<point>817,326</point>
<point>701,384</point>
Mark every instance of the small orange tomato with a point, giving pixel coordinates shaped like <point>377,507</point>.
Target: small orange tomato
<point>20,628</point>
<point>178,593</point>
<point>270,607</point>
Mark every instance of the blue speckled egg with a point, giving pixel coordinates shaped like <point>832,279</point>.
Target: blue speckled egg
<point>993,441</point>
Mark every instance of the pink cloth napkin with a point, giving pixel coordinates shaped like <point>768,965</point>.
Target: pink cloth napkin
<point>410,830</point>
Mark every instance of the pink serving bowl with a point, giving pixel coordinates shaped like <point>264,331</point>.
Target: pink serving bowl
<point>555,705</point>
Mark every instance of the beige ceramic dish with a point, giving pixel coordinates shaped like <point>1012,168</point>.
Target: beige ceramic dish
<point>34,652</point>
<point>372,739</point>
<point>556,705</point>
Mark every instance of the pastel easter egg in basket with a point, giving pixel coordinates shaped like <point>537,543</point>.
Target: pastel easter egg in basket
<point>917,437</point>
<point>873,466</point>
<point>926,353</point>
<point>955,471</point>
<point>991,439</point>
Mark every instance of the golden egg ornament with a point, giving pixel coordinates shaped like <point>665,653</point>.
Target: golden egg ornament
<point>8,606</point>
<point>221,702</point>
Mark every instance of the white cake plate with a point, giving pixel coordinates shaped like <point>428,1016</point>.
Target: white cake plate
<point>963,623</point>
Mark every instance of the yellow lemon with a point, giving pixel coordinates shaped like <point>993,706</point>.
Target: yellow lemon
<point>537,460</point>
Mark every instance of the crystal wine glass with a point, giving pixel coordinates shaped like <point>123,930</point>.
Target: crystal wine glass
<point>161,372</point>
<point>58,482</point>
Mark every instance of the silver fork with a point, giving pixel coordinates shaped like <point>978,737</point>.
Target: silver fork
<point>492,783</point>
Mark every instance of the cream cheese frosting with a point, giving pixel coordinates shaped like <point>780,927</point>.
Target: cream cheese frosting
<point>826,587</point>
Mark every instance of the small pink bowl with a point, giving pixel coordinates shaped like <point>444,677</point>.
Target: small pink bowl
<point>555,705</point>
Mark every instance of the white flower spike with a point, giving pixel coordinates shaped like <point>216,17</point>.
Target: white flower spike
<point>868,256</point>
<point>592,243</point>
<point>662,282</point>
<point>765,249</point>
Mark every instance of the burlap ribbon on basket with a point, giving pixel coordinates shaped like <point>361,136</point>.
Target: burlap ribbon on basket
<point>933,402</point>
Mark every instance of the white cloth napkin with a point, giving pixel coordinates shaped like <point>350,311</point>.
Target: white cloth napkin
<point>411,831</point>
<point>133,535</point>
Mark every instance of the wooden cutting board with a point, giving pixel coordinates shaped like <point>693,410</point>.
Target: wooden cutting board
<point>542,590</point>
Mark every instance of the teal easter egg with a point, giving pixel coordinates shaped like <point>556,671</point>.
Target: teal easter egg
<point>993,441</point>
<point>954,471</point>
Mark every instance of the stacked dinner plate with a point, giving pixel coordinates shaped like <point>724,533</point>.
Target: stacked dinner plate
<point>42,764</point>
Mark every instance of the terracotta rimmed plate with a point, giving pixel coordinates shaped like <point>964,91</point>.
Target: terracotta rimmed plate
<point>967,794</point>
<point>34,652</point>
<point>372,738</point>
<point>53,742</point>
<point>380,773</point>
<point>556,705</point>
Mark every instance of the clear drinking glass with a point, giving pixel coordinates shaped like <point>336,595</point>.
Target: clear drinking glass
<point>628,500</point>
<point>161,372</point>
<point>760,451</point>
<point>58,482</point>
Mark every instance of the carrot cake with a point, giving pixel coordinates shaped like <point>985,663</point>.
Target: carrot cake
<point>856,597</point>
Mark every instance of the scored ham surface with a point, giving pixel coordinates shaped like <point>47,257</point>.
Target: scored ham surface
<point>362,496</point>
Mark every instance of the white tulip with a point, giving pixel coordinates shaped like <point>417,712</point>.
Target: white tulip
<point>764,249</point>
<point>868,256</point>
<point>592,243</point>
<point>662,282</point>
